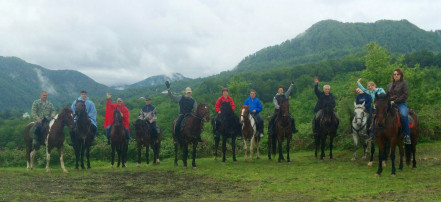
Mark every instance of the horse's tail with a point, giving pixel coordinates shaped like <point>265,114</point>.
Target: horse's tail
<point>408,150</point>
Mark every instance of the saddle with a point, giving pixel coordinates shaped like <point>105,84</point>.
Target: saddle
<point>411,122</point>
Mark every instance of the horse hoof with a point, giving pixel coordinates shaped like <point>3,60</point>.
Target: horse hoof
<point>370,164</point>
<point>157,161</point>
<point>414,168</point>
<point>377,175</point>
<point>138,165</point>
<point>147,165</point>
<point>215,159</point>
<point>194,167</point>
<point>400,170</point>
<point>65,171</point>
<point>384,165</point>
<point>393,175</point>
<point>48,170</point>
<point>258,157</point>
<point>353,159</point>
<point>111,166</point>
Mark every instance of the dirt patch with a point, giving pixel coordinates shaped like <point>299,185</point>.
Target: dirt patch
<point>153,185</point>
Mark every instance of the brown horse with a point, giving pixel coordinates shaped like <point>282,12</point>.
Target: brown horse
<point>82,134</point>
<point>53,131</point>
<point>144,138</point>
<point>414,133</point>
<point>194,124</point>
<point>55,138</point>
<point>118,139</point>
<point>249,131</point>
<point>282,130</point>
<point>228,127</point>
<point>328,125</point>
<point>387,131</point>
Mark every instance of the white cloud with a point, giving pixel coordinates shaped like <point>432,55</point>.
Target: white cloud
<point>116,42</point>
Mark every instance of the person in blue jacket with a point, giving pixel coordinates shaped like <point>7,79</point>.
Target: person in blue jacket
<point>255,107</point>
<point>91,113</point>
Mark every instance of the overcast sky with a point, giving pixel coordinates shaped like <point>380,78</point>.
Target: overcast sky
<point>123,42</point>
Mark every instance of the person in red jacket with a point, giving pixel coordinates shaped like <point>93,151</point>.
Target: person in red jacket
<point>224,98</point>
<point>108,118</point>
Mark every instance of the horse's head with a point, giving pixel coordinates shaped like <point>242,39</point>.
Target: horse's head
<point>284,107</point>
<point>226,109</point>
<point>80,107</point>
<point>328,113</point>
<point>203,112</point>
<point>140,126</point>
<point>66,114</point>
<point>117,118</point>
<point>382,107</point>
<point>359,114</point>
<point>244,113</point>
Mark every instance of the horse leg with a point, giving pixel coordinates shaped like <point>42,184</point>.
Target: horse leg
<point>176,153</point>
<point>317,143</point>
<point>233,145</point>
<point>322,147</point>
<point>401,152</point>
<point>77,154</point>
<point>253,138</point>
<point>48,158</point>
<point>288,140</point>
<point>139,147</point>
<point>33,153</point>
<point>392,156</point>
<point>331,145</point>
<point>124,155</point>
<point>371,160</point>
<point>83,148</point>
<point>365,147</point>
<point>224,147</point>
<point>113,156</point>
<point>257,148</point>
<point>413,154</point>
<point>245,149</point>
<point>118,151</point>
<point>28,157</point>
<point>147,150</point>
<point>184,158</point>
<point>280,141</point>
<point>157,149</point>
<point>216,145</point>
<point>60,152</point>
<point>195,145</point>
<point>88,157</point>
<point>355,137</point>
<point>380,157</point>
<point>269,146</point>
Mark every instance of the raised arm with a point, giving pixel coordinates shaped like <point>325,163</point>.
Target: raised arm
<point>174,97</point>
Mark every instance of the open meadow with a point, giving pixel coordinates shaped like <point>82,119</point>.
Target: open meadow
<point>304,179</point>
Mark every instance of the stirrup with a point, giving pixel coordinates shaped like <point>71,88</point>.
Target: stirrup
<point>407,139</point>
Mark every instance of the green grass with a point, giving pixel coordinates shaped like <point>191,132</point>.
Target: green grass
<point>304,179</point>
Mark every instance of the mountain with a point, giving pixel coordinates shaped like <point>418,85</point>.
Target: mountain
<point>21,83</point>
<point>330,39</point>
<point>155,80</point>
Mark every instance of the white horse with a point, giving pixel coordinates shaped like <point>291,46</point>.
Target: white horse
<point>359,126</point>
<point>249,132</point>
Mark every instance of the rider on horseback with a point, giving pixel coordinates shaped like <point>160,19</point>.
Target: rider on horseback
<point>91,113</point>
<point>323,97</point>
<point>148,114</point>
<point>398,92</point>
<point>186,105</point>
<point>42,112</point>
<point>255,107</point>
<point>372,90</point>
<point>108,119</point>
<point>367,100</point>
<point>276,101</point>
<point>224,98</point>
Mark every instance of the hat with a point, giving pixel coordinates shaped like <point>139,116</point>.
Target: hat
<point>119,100</point>
<point>188,90</point>
<point>225,89</point>
<point>147,98</point>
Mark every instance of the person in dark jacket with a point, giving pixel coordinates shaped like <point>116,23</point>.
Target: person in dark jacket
<point>149,115</point>
<point>398,93</point>
<point>276,100</point>
<point>323,97</point>
<point>186,106</point>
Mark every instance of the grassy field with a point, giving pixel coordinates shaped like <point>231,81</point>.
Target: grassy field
<point>304,179</point>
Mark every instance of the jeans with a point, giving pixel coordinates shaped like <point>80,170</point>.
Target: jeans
<point>402,107</point>
<point>259,124</point>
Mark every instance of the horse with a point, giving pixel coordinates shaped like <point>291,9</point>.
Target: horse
<point>249,131</point>
<point>328,125</point>
<point>282,130</point>
<point>82,134</point>
<point>55,137</point>
<point>53,131</point>
<point>414,133</point>
<point>358,126</point>
<point>118,139</point>
<point>387,131</point>
<point>144,138</point>
<point>190,132</point>
<point>229,127</point>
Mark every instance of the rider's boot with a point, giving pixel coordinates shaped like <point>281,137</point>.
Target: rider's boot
<point>407,139</point>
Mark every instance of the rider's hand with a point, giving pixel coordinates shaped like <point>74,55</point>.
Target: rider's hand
<point>151,121</point>
<point>292,81</point>
<point>358,81</point>
<point>52,116</point>
<point>219,112</point>
<point>109,95</point>
<point>392,102</point>
<point>254,111</point>
<point>316,80</point>
<point>39,120</point>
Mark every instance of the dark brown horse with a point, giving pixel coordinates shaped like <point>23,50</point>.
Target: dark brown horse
<point>282,131</point>
<point>328,124</point>
<point>249,131</point>
<point>387,131</point>
<point>31,148</point>
<point>145,138</point>
<point>190,133</point>
<point>414,133</point>
<point>55,137</point>
<point>118,139</point>
<point>228,127</point>
<point>82,134</point>
<point>52,135</point>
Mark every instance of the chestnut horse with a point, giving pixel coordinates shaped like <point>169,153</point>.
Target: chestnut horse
<point>118,140</point>
<point>53,131</point>
<point>144,138</point>
<point>229,127</point>
<point>249,131</point>
<point>55,138</point>
<point>387,131</point>
<point>82,134</point>
<point>328,125</point>
<point>414,133</point>
<point>282,130</point>
<point>194,124</point>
